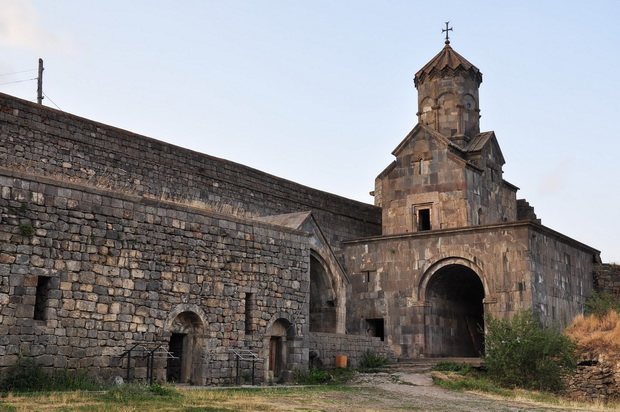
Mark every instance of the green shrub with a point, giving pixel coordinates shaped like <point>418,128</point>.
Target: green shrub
<point>521,353</point>
<point>371,360</point>
<point>313,376</point>
<point>25,376</point>
<point>28,376</point>
<point>319,376</point>
<point>600,304</point>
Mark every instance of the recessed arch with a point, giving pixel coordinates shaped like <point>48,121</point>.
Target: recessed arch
<point>447,261</point>
<point>323,296</point>
<point>453,293</point>
<point>186,344</point>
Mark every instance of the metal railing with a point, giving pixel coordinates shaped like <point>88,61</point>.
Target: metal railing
<point>244,355</point>
<point>145,350</point>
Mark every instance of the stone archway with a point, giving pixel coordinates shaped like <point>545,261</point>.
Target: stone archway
<point>454,319</point>
<point>278,351</point>
<point>186,346</point>
<point>323,299</point>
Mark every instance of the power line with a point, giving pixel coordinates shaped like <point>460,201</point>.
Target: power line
<point>19,81</point>
<point>23,71</point>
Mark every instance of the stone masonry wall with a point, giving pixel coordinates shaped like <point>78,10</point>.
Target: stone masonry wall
<point>595,380</point>
<point>46,142</point>
<point>607,278</point>
<point>329,345</point>
<point>121,267</point>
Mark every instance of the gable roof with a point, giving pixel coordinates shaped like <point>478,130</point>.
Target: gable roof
<point>475,146</point>
<point>305,221</point>
<point>435,134</point>
<point>483,139</point>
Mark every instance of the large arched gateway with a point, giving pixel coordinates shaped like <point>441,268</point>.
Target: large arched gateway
<point>454,318</point>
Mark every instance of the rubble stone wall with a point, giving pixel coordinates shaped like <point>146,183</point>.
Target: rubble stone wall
<point>120,268</point>
<point>597,379</point>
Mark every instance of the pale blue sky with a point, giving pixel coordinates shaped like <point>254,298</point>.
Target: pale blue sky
<point>320,92</point>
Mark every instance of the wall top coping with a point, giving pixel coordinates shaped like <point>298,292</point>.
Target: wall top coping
<point>525,224</point>
<point>147,201</point>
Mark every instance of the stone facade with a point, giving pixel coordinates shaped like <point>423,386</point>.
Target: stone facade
<point>113,241</point>
<point>124,269</point>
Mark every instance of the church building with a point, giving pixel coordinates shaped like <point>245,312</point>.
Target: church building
<point>456,242</point>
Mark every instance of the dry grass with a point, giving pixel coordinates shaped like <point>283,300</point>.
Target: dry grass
<point>596,333</point>
<point>197,400</point>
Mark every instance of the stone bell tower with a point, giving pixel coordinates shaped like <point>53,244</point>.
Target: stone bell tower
<point>448,96</point>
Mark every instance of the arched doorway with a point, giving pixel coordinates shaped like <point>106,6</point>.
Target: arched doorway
<point>455,313</point>
<point>323,300</point>
<point>278,338</point>
<point>186,348</point>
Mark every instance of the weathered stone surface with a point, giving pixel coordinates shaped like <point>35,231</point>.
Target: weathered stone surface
<point>112,241</point>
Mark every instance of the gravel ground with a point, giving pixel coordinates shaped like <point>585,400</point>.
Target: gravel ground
<point>415,391</point>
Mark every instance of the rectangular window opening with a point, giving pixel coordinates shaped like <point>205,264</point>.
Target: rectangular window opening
<point>424,219</point>
<point>249,310</point>
<point>376,328</point>
<point>42,296</point>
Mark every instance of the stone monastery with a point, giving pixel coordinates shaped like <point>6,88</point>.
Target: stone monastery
<point>127,256</point>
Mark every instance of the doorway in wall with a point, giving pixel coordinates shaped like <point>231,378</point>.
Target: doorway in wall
<point>175,360</point>
<point>455,317</point>
<point>186,346</point>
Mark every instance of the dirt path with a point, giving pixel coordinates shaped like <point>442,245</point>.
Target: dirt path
<point>415,391</point>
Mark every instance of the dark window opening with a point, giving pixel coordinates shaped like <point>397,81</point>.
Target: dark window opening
<point>249,310</point>
<point>40,303</point>
<point>375,327</point>
<point>424,219</point>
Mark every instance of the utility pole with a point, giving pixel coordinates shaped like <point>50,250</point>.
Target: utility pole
<point>40,83</point>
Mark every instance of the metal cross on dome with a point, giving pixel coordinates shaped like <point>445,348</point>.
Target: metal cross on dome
<point>446,30</point>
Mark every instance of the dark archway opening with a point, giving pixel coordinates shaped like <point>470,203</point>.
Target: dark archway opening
<point>186,341</point>
<point>323,311</point>
<point>455,321</point>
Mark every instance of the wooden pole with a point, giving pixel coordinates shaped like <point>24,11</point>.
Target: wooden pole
<point>40,83</point>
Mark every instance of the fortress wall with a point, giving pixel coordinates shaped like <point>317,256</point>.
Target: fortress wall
<point>46,142</point>
<point>119,267</point>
